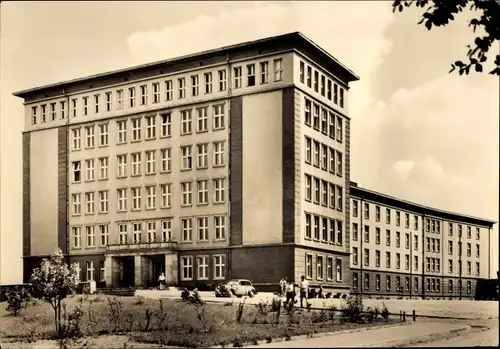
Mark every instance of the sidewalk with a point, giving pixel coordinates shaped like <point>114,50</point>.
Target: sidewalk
<point>378,337</point>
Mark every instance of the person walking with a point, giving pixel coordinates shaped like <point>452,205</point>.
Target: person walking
<point>161,281</point>
<point>282,286</point>
<point>290,295</point>
<point>304,288</point>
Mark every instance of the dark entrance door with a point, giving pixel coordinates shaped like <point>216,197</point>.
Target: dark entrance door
<point>127,277</point>
<point>158,267</point>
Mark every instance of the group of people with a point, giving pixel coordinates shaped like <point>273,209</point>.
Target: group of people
<point>287,290</point>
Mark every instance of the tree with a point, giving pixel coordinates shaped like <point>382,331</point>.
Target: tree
<point>53,281</point>
<point>441,12</point>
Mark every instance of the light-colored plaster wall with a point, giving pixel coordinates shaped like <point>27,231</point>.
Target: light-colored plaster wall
<point>44,191</point>
<point>262,168</point>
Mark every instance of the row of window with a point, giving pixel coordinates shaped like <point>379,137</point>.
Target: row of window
<point>128,97</point>
<point>323,120</point>
<point>202,265</point>
<point>431,225</point>
<point>207,227</point>
<point>90,271</point>
<point>146,162</point>
<point>148,130</point>
<point>469,249</point>
<point>325,229</point>
<point>388,237</point>
<point>324,193</point>
<point>153,197</point>
<point>321,84</point>
<point>323,273</point>
<point>323,156</point>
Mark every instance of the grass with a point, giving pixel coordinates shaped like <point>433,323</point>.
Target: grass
<point>141,320</point>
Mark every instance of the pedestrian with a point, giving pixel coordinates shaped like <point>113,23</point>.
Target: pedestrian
<point>290,295</point>
<point>282,286</point>
<point>161,281</point>
<point>304,288</point>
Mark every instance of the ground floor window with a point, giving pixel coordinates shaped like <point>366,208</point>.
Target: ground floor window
<point>415,282</point>
<point>377,282</point>
<point>202,267</point>
<point>407,283</point>
<point>329,268</point>
<point>339,269</point>
<point>319,267</point>
<point>102,270</point>
<point>219,267</point>
<point>388,282</point>
<point>469,286</point>
<point>355,281</point>
<point>438,285</point>
<point>450,286</point>
<point>309,266</point>
<point>367,281</point>
<point>90,270</point>
<point>187,268</point>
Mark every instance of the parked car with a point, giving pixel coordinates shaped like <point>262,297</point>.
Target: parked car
<point>241,287</point>
<point>222,291</point>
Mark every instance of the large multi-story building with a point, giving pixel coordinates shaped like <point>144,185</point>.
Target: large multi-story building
<point>399,248</point>
<point>230,163</point>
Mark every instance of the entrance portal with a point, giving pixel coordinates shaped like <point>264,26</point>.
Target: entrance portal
<point>127,272</point>
<point>156,267</point>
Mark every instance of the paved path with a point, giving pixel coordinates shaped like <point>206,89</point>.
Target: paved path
<point>378,337</point>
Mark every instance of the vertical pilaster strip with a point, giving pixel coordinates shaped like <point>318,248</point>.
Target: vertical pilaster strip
<point>288,164</point>
<point>347,196</point>
<point>26,195</point>
<point>298,159</point>
<point>62,189</point>
<point>236,171</point>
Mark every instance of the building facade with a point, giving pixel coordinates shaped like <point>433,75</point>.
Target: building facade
<point>230,163</point>
<point>399,248</point>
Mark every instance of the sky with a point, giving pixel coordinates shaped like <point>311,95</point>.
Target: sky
<point>417,132</point>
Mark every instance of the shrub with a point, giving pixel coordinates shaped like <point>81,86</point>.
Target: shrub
<point>17,299</point>
<point>115,309</point>
<point>352,308</point>
<point>71,326</point>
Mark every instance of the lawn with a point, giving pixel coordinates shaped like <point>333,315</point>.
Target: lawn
<point>144,322</point>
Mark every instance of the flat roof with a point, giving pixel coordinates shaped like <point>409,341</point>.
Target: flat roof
<point>358,192</point>
<point>291,40</point>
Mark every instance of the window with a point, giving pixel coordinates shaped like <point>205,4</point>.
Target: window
<point>428,263</point>
<point>108,101</point>
<point>122,199</point>
<point>150,197</point>
<point>169,90</point>
<point>459,230</point>
<point>131,97</point>
<point>219,267</point>
<point>341,98</point>
<point>187,268</point>
<point>77,171</point>
<point>89,202</point>
<point>202,124</point>
<point>181,83</point>
<point>450,247</point>
<point>218,122</point>
<point>309,267</point>
<point>166,195</point>
<point>202,228</point>
<point>156,92</point>
<point>202,158</point>
<point>166,230</point>
<point>339,164</point>
<point>407,283</point>
<point>222,79</point>
<point>77,140</point>
<point>187,193</point>
<point>407,240</point>
<point>166,125</point>
<point>89,265</point>
<point>278,69</point>
<point>308,143</point>
<point>416,263</point>
<point>237,77</point>
<point>388,215</point>
<point>324,193</point>
<point>316,227</point>
<point>136,198</point>
<point>150,162</point>
<point>377,258</point>
<point>251,75</point>
<point>377,235</point>
<point>202,273</point>
<point>122,165</point>
<point>478,269</point>
<point>202,187</point>
<point>85,108</point>
<point>398,239</point>
<point>151,230</point>
<point>477,251</point>
<point>367,233</point>
<point>324,229</point>
<point>415,243</point>
<point>367,211</point>
<point>339,198</point>
<point>367,281</point>
<point>151,127</point>
<point>136,130</point>
<point>377,282</point>
<point>77,206</point>
<point>469,232</point>
<point>302,72</point>
<point>33,115</point>
<point>469,267</point>
<point>339,233</point>
<point>307,112</point>
<point>308,188</point>
<point>355,231</point>
<point>103,135</point>
<point>339,129</point>
<point>469,248</point>
<point>62,108</point>
<point>322,86</point>
<point>194,85</point>
<point>89,137</point>
<point>90,232</point>
<point>136,164</point>
<point>219,154</point>
<point>74,106</point>
<point>122,233</point>
<point>477,233</point>
<point>316,116</point>
<point>398,261</point>
<point>355,280</point>
<point>309,76</point>
<point>186,158</point>
<point>319,267</point>
<point>388,282</point>
<point>208,82</point>
<point>219,196</point>
<point>264,72</point>
<point>332,231</point>
<point>97,101</point>
<point>104,233</point>
<point>103,201</point>
<point>186,122</point>
<point>165,160</point>
<point>122,131</point>
<point>407,262</point>
<point>415,284</point>
<point>119,99</point>
<point>415,222</point>
<point>77,237</point>
<point>428,244</point>
<point>187,229</point>
<point>354,208</point>
<point>469,286</point>
<point>428,284</point>
<point>377,213</point>
<point>308,226</point>
<point>407,220</point>
<point>366,254</point>
<point>316,183</point>
<point>316,81</point>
